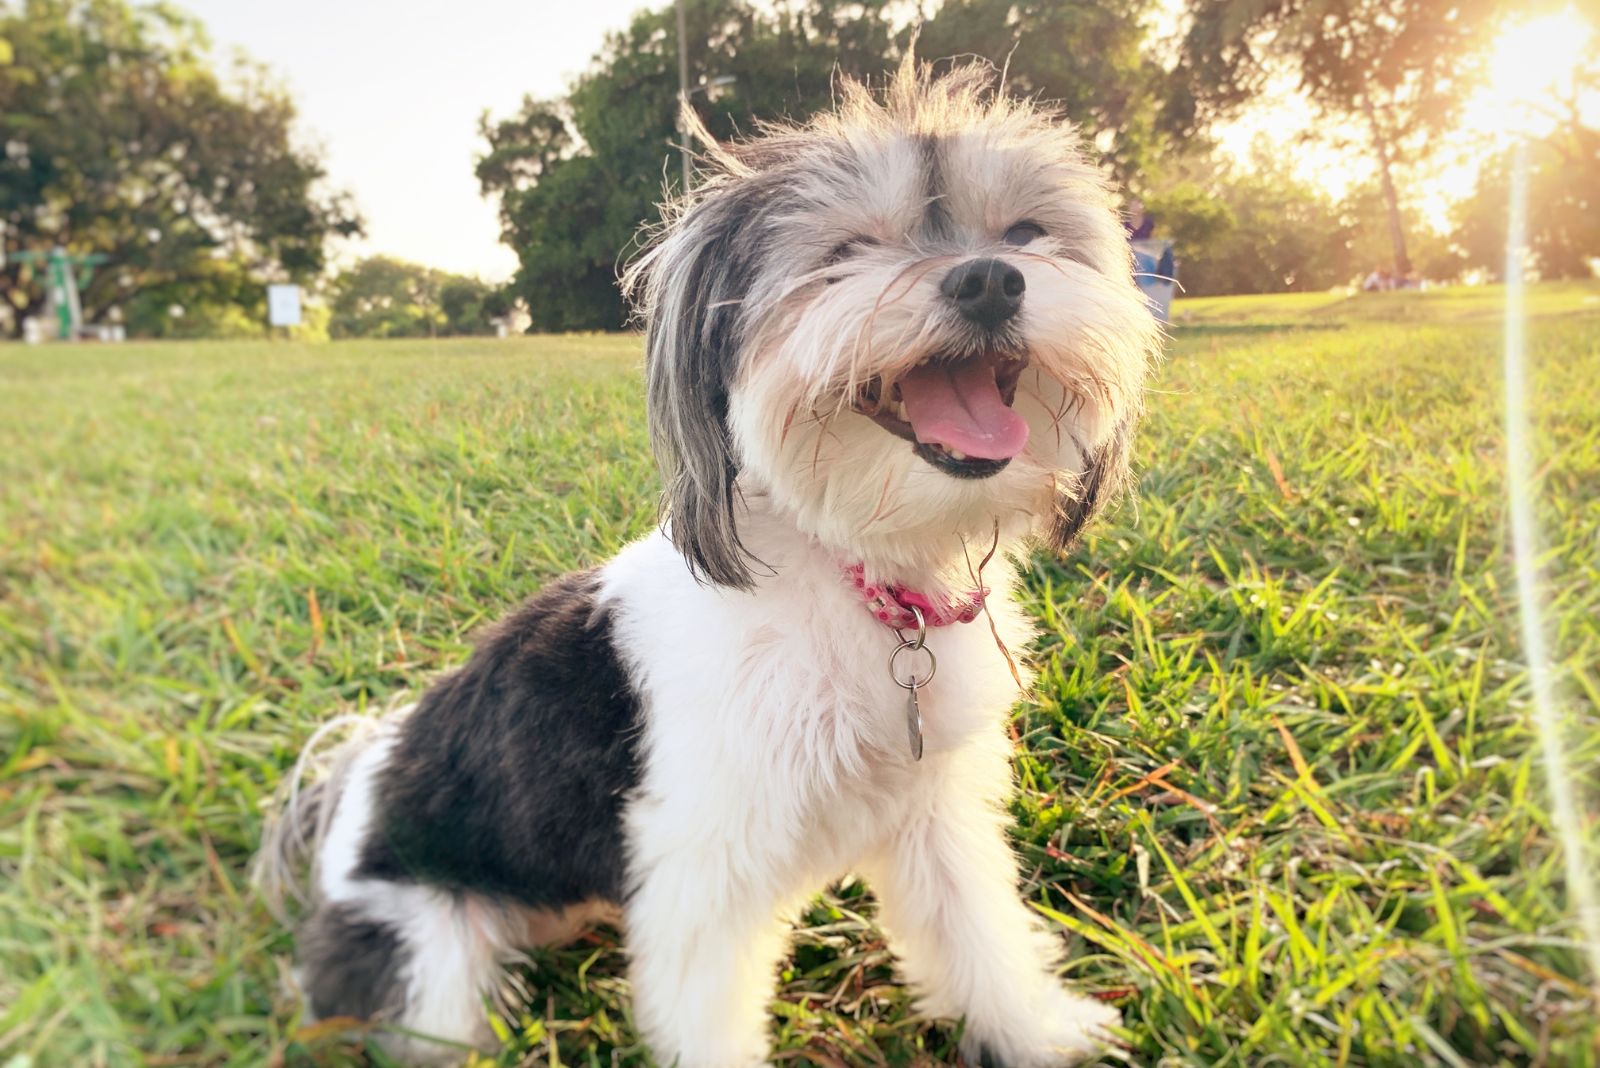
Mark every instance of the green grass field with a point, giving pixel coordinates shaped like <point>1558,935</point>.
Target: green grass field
<point>1279,794</point>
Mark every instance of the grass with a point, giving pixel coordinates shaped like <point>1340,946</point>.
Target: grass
<point>1457,304</point>
<point>1278,786</point>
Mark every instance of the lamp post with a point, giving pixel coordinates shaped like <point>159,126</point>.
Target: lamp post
<point>685,92</point>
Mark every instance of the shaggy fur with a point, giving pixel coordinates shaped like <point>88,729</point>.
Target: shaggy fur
<point>698,735</point>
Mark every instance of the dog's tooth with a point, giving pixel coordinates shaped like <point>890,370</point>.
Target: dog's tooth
<point>956,454</point>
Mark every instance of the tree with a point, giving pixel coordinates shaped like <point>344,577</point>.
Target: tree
<point>1563,211</point>
<point>471,305</point>
<point>1563,192</point>
<point>1257,228</point>
<point>1261,231</point>
<point>120,138</point>
<point>1398,68</point>
<point>213,298</point>
<point>384,297</point>
<point>576,177</point>
<point>1088,59</point>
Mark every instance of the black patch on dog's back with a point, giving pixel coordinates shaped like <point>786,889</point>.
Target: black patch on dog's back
<point>509,776</point>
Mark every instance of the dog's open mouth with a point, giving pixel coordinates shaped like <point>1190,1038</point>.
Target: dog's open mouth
<point>956,412</point>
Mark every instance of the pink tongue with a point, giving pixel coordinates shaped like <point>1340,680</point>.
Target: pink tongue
<point>958,406</point>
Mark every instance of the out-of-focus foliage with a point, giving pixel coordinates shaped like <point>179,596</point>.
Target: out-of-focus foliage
<point>1563,211</point>
<point>1091,60</point>
<point>1399,68</point>
<point>384,297</point>
<point>1412,59</point>
<point>1563,194</point>
<point>577,176</point>
<point>1260,229</point>
<point>121,138</point>
<point>118,135</point>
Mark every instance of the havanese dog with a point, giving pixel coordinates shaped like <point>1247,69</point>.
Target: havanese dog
<point>886,351</point>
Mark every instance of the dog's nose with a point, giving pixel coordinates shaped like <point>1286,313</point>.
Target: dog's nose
<point>987,291</point>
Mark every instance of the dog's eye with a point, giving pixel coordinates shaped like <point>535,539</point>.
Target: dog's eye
<point>1022,233</point>
<point>845,249</point>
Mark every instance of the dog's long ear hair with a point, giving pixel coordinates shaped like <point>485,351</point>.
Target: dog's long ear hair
<point>689,288</point>
<point>1104,478</point>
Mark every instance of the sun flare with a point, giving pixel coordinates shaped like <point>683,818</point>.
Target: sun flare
<point>1534,79</point>
<point>1534,64</point>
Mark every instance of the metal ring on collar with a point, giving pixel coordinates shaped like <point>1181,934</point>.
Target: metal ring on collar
<point>922,629</point>
<point>917,679</point>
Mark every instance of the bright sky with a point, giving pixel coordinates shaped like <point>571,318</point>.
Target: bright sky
<point>392,89</point>
<point>1531,70</point>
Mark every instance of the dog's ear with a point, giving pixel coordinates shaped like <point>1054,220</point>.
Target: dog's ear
<point>690,289</point>
<point>1104,477</point>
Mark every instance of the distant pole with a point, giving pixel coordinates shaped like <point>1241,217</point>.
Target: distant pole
<point>683,93</point>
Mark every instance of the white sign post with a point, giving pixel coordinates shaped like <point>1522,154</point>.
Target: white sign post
<point>283,305</point>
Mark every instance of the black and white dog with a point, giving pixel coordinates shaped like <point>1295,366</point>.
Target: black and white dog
<point>884,348</point>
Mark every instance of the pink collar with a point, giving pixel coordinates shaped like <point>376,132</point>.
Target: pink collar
<point>892,605</point>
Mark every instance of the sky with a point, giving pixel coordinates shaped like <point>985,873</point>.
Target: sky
<point>391,90</point>
<point>1529,75</point>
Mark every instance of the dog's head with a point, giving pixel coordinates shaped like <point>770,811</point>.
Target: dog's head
<point>909,324</point>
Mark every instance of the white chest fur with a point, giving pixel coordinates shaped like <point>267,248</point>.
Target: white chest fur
<point>785,692</point>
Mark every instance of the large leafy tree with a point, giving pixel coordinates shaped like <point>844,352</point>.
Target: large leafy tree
<point>385,297</point>
<point>1091,60</point>
<point>1563,211</point>
<point>120,138</point>
<point>1397,69</point>
<point>1258,228</point>
<point>576,177</point>
<point>1563,190</point>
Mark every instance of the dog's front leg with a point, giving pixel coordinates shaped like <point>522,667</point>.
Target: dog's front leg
<point>703,951</point>
<point>946,882</point>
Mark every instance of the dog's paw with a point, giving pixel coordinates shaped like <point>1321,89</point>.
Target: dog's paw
<point>1081,1026</point>
<point>1062,1029</point>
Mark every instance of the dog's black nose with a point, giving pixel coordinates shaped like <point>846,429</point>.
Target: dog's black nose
<point>987,291</point>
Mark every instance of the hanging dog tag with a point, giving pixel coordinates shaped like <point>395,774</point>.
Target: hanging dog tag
<point>914,720</point>
<point>912,680</point>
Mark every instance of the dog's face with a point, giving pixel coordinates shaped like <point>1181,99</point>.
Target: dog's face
<point>910,325</point>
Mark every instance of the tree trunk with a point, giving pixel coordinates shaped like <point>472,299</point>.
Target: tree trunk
<point>1397,230</point>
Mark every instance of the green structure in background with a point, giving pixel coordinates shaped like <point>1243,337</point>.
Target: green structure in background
<point>66,276</point>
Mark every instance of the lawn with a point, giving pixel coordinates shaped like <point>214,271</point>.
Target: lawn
<point>1279,792</point>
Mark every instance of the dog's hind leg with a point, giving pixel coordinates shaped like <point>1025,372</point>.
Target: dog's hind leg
<point>418,960</point>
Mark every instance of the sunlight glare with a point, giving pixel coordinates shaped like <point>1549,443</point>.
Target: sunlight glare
<point>1550,722</point>
<point>1534,64</point>
<point>1532,74</point>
